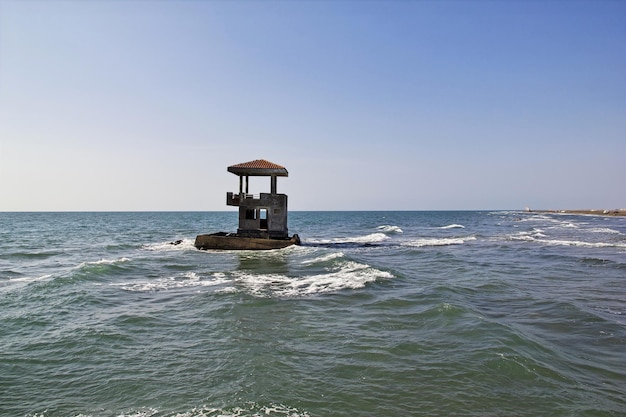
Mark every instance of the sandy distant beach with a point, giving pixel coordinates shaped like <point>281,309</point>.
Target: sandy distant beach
<point>598,212</point>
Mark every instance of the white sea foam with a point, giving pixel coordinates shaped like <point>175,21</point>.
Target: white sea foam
<point>583,244</point>
<point>531,235</point>
<point>371,238</point>
<point>30,279</point>
<point>556,223</point>
<point>86,265</point>
<point>534,233</point>
<point>537,233</point>
<point>562,224</point>
<point>324,258</point>
<point>605,230</point>
<point>389,229</point>
<point>418,243</point>
<point>145,412</point>
<point>93,264</point>
<point>189,279</point>
<point>537,217</point>
<point>20,282</point>
<point>250,409</point>
<point>350,275</point>
<point>105,262</point>
<point>527,236</point>
<point>539,238</point>
<point>185,244</point>
<point>452,226</point>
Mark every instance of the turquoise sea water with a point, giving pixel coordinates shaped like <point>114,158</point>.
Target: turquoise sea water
<point>377,314</point>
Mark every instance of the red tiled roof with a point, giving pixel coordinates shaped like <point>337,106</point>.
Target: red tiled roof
<point>258,164</point>
<point>259,167</point>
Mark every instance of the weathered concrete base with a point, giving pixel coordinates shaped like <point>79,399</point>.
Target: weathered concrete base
<point>231,241</point>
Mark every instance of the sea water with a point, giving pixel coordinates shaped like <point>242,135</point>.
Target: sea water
<point>376,314</point>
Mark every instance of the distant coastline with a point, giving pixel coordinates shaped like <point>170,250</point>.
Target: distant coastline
<point>597,212</point>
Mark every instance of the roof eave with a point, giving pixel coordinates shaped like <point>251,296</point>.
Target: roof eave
<point>258,172</point>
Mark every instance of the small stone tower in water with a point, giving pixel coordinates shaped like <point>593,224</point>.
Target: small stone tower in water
<point>263,215</point>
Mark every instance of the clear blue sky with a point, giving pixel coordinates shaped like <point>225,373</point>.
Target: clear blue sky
<point>409,105</point>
